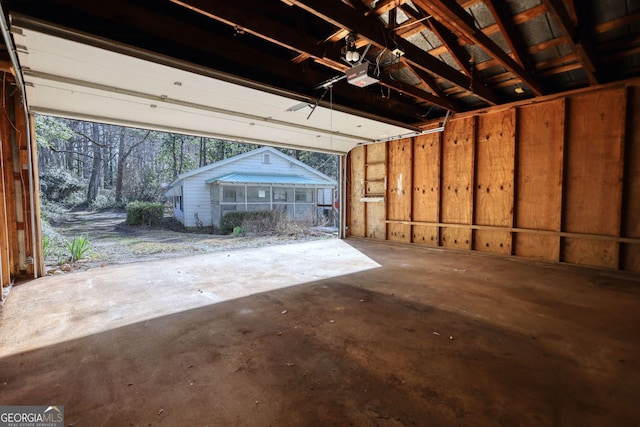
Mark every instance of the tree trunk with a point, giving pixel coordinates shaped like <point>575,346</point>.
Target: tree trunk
<point>121,163</point>
<point>203,152</point>
<point>174,155</point>
<point>96,168</point>
<point>181,155</point>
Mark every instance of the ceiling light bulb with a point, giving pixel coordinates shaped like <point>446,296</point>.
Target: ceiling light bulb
<point>355,56</point>
<point>349,56</point>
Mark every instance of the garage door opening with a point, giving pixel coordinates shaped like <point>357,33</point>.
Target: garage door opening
<point>94,178</point>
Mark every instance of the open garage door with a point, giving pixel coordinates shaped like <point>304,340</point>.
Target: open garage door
<point>77,76</point>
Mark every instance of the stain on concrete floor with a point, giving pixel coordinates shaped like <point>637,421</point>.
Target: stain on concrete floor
<point>431,338</point>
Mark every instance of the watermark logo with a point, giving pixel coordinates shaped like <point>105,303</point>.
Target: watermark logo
<point>31,416</point>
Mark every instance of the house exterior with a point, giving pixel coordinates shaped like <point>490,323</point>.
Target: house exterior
<point>262,179</point>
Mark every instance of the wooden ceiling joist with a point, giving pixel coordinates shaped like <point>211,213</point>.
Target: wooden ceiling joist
<point>342,15</point>
<point>452,15</point>
<point>562,18</point>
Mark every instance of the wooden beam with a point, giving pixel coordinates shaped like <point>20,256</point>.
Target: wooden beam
<point>256,24</point>
<point>431,83</point>
<point>384,6</point>
<point>452,15</point>
<point>459,53</point>
<point>341,15</point>
<point>419,94</point>
<point>575,37</point>
<point>505,22</point>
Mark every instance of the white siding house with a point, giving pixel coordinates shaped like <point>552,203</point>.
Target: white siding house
<point>262,179</point>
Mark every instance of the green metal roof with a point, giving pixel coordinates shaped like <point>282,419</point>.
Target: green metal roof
<point>247,178</point>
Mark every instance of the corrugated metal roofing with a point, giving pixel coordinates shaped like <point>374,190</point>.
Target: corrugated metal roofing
<point>245,178</point>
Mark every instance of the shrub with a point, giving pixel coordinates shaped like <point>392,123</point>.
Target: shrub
<point>104,200</point>
<point>254,222</point>
<point>144,213</point>
<point>58,184</point>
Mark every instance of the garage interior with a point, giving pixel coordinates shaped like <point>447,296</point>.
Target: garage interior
<point>491,184</point>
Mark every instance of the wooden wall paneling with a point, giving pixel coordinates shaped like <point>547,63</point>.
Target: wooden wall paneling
<point>375,175</point>
<point>538,206</point>
<point>593,176</point>
<point>399,183</point>
<point>10,157</point>
<point>630,256</point>
<point>457,182</point>
<point>494,185</point>
<point>426,188</point>
<point>357,209</point>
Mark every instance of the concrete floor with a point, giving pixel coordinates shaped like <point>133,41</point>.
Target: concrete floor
<point>326,333</point>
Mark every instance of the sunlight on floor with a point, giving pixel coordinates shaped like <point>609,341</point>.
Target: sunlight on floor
<point>60,308</point>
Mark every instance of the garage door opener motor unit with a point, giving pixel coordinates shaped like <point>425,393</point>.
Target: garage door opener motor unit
<point>362,75</point>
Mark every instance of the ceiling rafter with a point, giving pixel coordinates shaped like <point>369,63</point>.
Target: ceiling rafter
<point>344,16</point>
<point>384,6</point>
<point>563,19</point>
<point>263,28</point>
<point>454,16</point>
<point>295,45</point>
<point>428,80</point>
<point>504,20</point>
<point>258,25</point>
<point>448,39</point>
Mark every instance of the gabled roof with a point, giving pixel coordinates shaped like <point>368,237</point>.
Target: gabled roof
<point>254,178</point>
<point>240,157</point>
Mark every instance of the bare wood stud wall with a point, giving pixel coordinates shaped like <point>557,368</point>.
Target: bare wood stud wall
<point>556,180</point>
<point>19,209</point>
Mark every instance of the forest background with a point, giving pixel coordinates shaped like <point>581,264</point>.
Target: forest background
<point>99,166</point>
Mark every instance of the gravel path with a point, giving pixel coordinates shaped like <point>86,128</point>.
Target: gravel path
<point>113,242</point>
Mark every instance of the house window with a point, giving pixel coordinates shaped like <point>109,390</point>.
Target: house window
<point>266,159</point>
<point>258,194</point>
<point>233,194</point>
<point>279,195</point>
<point>304,195</point>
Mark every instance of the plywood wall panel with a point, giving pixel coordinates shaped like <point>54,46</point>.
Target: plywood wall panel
<point>455,238</point>
<point>376,170</point>
<point>494,184</point>
<point>458,171</point>
<point>631,203</point>
<point>376,153</point>
<point>426,179</point>
<point>399,232</point>
<point>356,207</point>
<point>399,180</point>
<point>493,241</point>
<point>537,246</point>
<point>425,235</point>
<point>593,175</point>
<point>376,227</point>
<point>495,152</point>
<point>375,175</point>
<point>555,180</point>
<point>596,253</point>
<point>538,206</point>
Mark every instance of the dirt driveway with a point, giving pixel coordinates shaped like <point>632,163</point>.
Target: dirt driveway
<point>113,242</point>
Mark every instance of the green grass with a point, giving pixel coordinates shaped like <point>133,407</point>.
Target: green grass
<point>78,248</point>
